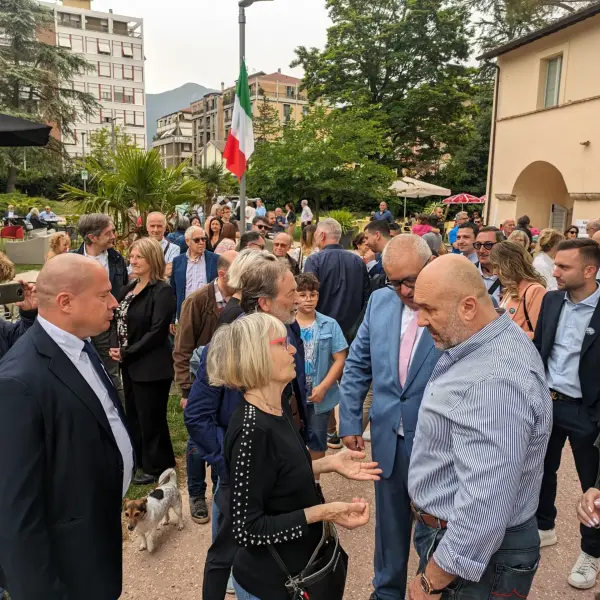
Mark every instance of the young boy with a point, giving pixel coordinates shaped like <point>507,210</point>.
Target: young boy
<point>325,351</point>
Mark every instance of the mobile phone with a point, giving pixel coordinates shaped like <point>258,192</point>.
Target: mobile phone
<point>11,292</point>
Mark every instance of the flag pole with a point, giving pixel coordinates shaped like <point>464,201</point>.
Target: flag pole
<point>242,21</point>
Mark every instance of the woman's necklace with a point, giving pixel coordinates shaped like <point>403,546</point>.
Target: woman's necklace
<point>274,410</point>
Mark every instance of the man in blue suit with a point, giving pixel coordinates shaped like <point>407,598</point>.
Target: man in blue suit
<point>195,268</point>
<point>396,357</point>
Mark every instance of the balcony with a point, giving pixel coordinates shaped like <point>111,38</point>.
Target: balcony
<point>95,24</point>
<point>69,20</point>
<point>129,29</point>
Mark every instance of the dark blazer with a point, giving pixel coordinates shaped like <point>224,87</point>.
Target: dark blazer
<point>344,285</point>
<point>117,270</point>
<point>11,332</point>
<point>148,355</point>
<point>62,479</point>
<point>179,274</point>
<point>545,334</point>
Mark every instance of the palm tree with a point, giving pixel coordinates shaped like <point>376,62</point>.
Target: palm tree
<point>139,180</point>
<point>216,181</point>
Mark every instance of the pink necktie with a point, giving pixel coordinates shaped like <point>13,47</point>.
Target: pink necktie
<point>407,343</point>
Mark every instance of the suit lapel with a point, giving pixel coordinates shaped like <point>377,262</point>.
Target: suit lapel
<point>67,373</point>
<point>394,333</point>
<point>589,339</point>
<point>552,319</point>
<point>424,347</point>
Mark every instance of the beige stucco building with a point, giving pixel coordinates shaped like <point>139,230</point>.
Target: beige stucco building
<point>173,138</point>
<point>545,149</point>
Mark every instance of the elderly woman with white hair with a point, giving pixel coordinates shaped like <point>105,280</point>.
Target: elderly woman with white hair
<point>280,521</point>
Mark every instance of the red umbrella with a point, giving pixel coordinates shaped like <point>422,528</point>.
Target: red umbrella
<point>463,199</point>
<point>483,199</point>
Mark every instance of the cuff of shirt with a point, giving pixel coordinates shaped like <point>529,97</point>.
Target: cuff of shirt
<point>460,566</point>
<point>371,264</point>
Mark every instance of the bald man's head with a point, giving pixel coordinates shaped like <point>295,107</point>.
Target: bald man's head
<point>74,293</point>
<point>596,237</point>
<point>453,300</point>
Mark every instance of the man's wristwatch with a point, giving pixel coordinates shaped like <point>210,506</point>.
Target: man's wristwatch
<point>427,587</point>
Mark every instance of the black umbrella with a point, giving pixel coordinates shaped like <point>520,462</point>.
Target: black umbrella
<point>20,132</point>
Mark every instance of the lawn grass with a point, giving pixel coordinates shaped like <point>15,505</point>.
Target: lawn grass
<point>179,436</point>
<point>25,268</point>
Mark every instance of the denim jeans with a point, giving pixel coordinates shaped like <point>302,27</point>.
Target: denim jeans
<point>241,593</point>
<point>510,571</point>
<point>196,472</point>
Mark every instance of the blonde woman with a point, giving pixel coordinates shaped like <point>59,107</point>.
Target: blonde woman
<point>306,245</point>
<point>60,243</point>
<point>524,288</point>
<point>146,308</point>
<point>272,478</point>
<point>543,263</point>
<point>520,237</point>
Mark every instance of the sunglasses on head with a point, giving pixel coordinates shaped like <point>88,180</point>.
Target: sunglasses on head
<point>486,245</point>
<point>198,240</point>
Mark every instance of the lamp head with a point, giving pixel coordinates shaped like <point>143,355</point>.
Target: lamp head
<point>247,3</point>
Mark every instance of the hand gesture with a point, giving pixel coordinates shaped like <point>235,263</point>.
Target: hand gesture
<point>353,442</point>
<point>588,510</point>
<point>350,465</point>
<point>318,394</point>
<point>115,354</point>
<point>349,515</point>
<point>29,298</point>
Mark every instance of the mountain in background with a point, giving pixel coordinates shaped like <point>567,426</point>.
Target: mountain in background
<point>159,105</point>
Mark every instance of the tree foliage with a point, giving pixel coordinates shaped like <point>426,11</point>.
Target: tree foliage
<point>138,179</point>
<point>215,180</point>
<point>266,124</point>
<point>35,77</point>
<point>331,156</point>
<point>405,57</point>
<point>102,148</point>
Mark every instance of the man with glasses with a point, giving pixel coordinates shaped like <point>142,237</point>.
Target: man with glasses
<point>261,225</point>
<point>487,238</point>
<point>282,244</point>
<point>397,357</point>
<point>252,240</point>
<point>195,268</point>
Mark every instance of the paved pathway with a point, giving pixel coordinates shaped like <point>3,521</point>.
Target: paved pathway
<point>174,572</point>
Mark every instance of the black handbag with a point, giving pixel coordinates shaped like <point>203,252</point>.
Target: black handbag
<point>324,577</point>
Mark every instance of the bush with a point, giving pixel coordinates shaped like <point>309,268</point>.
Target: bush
<point>344,217</point>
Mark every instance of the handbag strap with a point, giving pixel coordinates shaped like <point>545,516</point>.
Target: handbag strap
<point>525,310</point>
<point>494,287</point>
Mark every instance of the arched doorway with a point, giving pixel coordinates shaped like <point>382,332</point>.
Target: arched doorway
<point>541,193</point>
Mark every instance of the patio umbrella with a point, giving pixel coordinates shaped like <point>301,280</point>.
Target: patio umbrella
<point>463,199</point>
<point>413,188</point>
<point>21,132</point>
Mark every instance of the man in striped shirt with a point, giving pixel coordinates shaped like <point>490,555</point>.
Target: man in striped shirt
<point>478,455</point>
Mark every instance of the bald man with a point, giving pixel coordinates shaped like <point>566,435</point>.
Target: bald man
<point>156,226</point>
<point>65,455</point>
<point>478,455</point>
<point>396,356</point>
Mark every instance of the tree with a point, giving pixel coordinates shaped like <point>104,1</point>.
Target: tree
<point>102,148</point>
<point>331,156</point>
<point>215,180</point>
<point>139,180</point>
<point>35,77</point>
<point>405,57</point>
<point>266,124</point>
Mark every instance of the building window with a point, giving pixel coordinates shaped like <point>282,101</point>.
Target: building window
<point>104,69</point>
<point>95,24</point>
<point>125,95</point>
<point>287,112</point>
<point>290,91</point>
<point>305,110</point>
<point>72,42</point>
<point>552,89</point>
<point>69,20</point>
<point>104,47</point>
<point>106,93</point>
<point>127,50</point>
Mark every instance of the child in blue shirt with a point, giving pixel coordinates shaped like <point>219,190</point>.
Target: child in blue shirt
<point>325,351</point>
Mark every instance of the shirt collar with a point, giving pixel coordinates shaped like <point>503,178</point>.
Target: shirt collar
<point>66,341</point>
<point>492,276</point>
<point>218,295</point>
<point>199,259</point>
<point>164,243</point>
<point>332,247</point>
<point>101,255</point>
<point>479,339</point>
<point>589,301</point>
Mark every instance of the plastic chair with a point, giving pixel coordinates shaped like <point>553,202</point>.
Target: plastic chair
<point>12,232</point>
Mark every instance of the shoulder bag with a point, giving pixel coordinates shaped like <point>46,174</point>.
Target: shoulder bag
<point>525,311</point>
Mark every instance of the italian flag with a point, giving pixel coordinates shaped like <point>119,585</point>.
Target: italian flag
<point>240,142</point>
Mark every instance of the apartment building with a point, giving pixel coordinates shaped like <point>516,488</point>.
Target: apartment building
<point>114,46</point>
<point>173,138</point>
<point>212,115</point>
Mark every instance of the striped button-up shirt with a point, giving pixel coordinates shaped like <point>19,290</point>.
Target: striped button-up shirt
<point>195,275</point>
<point>479,448</point>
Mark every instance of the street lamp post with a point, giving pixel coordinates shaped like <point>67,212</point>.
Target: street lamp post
<point>83,148</point>
<point>243,4</point>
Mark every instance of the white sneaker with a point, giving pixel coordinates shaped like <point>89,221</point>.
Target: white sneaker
<point>547,537</point>
<point>366,436</point>
<point>584,573</point>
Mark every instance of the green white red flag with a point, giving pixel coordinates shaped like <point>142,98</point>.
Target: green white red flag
<point>240,141</point>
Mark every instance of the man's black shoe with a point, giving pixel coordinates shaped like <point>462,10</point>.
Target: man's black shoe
<point>142,478</point>
<point>199,510</point>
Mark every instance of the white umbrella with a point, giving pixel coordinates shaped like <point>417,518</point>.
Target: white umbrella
<point>413,188</point>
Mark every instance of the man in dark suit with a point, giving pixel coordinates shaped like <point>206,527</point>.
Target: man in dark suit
<point>377,236</point>
<point>568,338</point>
<point>194,269</point>
<point>99,237</point>
<point>65,454</point>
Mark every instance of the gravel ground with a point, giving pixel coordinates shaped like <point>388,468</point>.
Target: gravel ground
<point>174,571</point>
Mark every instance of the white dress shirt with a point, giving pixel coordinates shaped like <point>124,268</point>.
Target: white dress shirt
<point>544,265</point>
<point>170,250</point>
<point>408,314</point>
<point>101,258</point>
<point>73,347</point>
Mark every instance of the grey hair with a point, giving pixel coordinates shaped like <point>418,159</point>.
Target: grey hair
<point>182,224</point>
<point>407,244</point>
<point>594,224</point>
<point>463,214</point>
<point>331,228</point>
<point>190,231</point>
<point>92,224</point>
<point>304,203</point>
<point>245,261</point>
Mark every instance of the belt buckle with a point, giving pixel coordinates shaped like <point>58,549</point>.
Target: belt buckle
<point>554,395</point>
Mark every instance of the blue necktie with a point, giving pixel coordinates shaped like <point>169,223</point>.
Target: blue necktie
<point>96,361</point>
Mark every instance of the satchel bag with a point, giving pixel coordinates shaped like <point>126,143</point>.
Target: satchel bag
<point>324,577</point>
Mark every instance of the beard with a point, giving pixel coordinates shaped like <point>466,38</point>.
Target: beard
<point>455,332</point>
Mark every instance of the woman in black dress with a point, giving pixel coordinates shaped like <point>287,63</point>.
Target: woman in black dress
<point>146,308</point>
<point>273,496</point>
<point>291,219</point>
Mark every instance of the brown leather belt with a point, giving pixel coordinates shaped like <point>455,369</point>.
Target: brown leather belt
<point>428,519</point>
<point>563,398</point>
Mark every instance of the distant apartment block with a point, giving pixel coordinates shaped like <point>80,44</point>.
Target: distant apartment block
<point>173,138</point>
<point>114,46</point>
<point>212,115</point>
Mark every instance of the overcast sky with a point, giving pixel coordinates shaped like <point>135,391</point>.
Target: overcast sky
<point>197,40</point>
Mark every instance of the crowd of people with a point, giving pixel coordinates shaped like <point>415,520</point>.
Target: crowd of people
<point>466,365</point>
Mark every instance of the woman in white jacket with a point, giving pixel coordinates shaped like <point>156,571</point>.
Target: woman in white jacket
<point>543,263</point>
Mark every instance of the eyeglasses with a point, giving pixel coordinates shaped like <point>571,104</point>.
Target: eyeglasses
<point>284,342</point>
<point>408,282</point>
<point>198,240</point>
<point>486,245</point>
